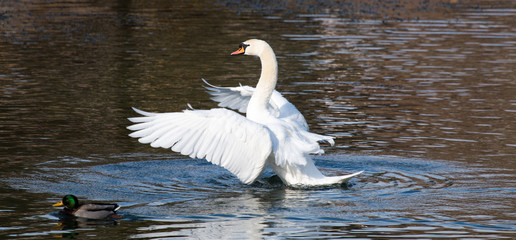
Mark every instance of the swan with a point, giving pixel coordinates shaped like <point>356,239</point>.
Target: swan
<point>272,133</point>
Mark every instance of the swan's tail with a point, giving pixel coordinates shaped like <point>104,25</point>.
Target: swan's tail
<point>341,179</point>
<point>307,175</point>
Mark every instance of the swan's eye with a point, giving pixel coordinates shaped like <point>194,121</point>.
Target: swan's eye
<point>243,45</point>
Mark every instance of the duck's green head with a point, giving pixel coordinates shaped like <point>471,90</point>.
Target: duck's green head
<point>69,201</point>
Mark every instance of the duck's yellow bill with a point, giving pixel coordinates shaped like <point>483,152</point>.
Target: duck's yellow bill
<point>59,204</point>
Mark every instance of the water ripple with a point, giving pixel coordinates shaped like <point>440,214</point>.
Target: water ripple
<point>185,197</point>
<point>429,84</point>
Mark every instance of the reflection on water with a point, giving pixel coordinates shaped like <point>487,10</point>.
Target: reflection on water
<point>164,198</point>
<point>421,97</point>
<point>421,88</point>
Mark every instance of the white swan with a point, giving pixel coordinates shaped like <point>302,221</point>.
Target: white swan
<point>273,133</point>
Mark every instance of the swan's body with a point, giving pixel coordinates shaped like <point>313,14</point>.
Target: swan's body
<point>273,133</point>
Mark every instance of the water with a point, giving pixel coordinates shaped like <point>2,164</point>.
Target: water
<point>420,96</point>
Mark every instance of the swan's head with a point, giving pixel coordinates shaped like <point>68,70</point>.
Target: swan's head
<point>253,47</point>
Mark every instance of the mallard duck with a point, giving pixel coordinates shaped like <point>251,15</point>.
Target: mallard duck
<point>72,207</point>
<point>272,133</point>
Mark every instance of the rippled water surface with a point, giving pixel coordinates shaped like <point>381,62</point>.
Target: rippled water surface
<point>419,94</point>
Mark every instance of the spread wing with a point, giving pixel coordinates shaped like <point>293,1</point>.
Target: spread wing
<point>235,98</point>
<point>238,98</point>
<point>221,136</point>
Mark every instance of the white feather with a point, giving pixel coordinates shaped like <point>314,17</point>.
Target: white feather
<point>273,133</point>
<point>215,134</point>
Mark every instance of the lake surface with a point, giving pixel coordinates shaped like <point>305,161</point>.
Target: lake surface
<point>419,94</point>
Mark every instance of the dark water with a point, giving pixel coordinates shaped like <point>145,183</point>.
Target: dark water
<point>420,95</point>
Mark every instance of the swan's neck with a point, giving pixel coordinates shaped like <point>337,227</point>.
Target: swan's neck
<point>268,78</point>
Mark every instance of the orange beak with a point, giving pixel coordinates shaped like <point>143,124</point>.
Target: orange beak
<point>241,50</point>
<point>59,204</point>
